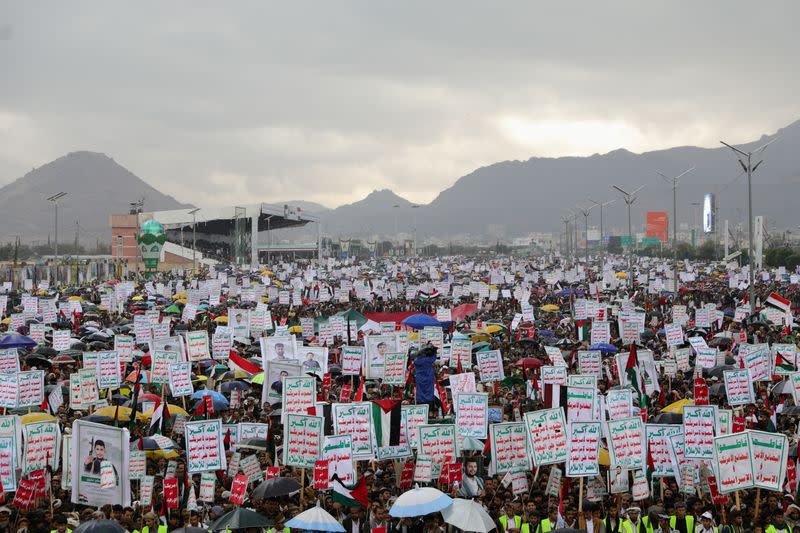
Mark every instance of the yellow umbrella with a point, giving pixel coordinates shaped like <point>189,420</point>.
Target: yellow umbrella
<point>173,410</point>
<point>494,328</point>
<point>480,337</point>
<point>183,301</point>
<point>75,299</point>
<point>181,295</point>
<point>550,307</point>
<point>296,329</point>
<point>603,458</point>
<point>6,321</point>
<point>158,454</point>
<point>278,283</point>
<point>30,418</point>
<point>413,336</point>
<point>677,407</point>
<point>137,298</point>
<point>266,272</point>
<point>124,413</point>
<point>621,275</point>
<point>221,319</point>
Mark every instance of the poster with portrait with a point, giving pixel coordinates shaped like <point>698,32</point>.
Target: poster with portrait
<point>274,372</point>
<point>314,360</point>
<point>100,464</point>
<point>281,348</point>
<point>377,346</point>
<point>239,323</point>
<point>618,479</point>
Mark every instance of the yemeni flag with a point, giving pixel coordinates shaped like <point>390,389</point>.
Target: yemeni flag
<point>355,497</point>
<point>386,419</point>
<point>425,296</point>
<point>776,300</point>
<point>634,374</point>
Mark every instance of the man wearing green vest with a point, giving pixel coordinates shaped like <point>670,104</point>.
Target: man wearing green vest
<point>511,522</point>
<point>680,521</point>
<point>152,525</point>
<point>61,525</point>
<point>549,523</point>
<point>635,523</point>
<point>530,523</point>
<point>778,523</point>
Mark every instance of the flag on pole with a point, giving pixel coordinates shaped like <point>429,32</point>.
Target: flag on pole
<point>355,497</point>
<point>634,374</point>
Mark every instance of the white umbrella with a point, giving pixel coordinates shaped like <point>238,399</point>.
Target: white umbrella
<point>419,502</point>
<point>468,515</point>
<point>315,519</point>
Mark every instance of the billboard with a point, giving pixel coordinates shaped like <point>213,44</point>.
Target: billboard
<point>709,223</point>
<point>657,223</point>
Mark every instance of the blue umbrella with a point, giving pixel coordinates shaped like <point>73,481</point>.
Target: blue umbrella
<point>15,340</point>
<point>420,321</point>
<point>219,405</point>
<point>315,519</point>
<point>214,395</point>
<point>568,292</point>
<point>545,333</point>
<point>604,347</point>
<point>419,502</point>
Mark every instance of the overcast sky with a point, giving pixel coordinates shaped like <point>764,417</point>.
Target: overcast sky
<point>217,103</point>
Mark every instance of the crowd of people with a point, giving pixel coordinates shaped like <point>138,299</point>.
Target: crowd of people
<point>493,295</point>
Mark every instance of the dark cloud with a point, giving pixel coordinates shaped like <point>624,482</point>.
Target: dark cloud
<point>217,102</point>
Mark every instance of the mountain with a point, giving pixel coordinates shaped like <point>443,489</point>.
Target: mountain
<point>376,213</point>
<point>96,187</point>
<point>515,198</point>
<point>312,208</point>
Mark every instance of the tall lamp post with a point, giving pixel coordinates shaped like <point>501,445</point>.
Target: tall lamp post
<point>601,205</point>
<point>193,212</point>
<point>629,198</point>
<point>674,182</point>
<point>55,198</point>
<point>585,213</point>
<point>749,167</point>
<point>415,207</point>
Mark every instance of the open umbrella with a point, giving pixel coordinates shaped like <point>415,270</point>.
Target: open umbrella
<point>471,444</point>
<point>240,518</point>
<point>190,529</point>
<point>315,519</point>
<point>253,444</point>
<point>468,515</point>
<point>677,407</point>
<point>419,502</point>
<point>277,486</point>
<point>15,340</point>
<point>529,362</point>
<point>99,526</point>
<point>604,347</point>
<point>420,321</point>
<point>668,418</point>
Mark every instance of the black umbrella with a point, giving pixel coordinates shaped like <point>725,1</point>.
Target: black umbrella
<point>37,360</point>
<point>240,518</point>
<point>718,371</point>
<point>45,351</point>
<point>99,526</point>
<point>668,418</point>
<point>277,486</point>
<point>190,529</point>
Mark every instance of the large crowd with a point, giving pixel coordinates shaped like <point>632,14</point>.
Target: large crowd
<point>522,307</point>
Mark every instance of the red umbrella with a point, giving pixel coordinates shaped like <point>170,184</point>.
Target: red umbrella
<point>63,360</point>
<point>529,362</point>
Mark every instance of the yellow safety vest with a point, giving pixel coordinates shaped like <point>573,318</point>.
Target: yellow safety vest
<point>544,526</point>
<point>517,521</point>
<point>673,523</point>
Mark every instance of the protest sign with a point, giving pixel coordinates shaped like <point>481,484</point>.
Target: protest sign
<point>205,451</point>
<point>352,360</point>
<point>509,441</point>
<point>769,453</point>
<point>299,393</point>
<point>62,339</point>
<point>553,375</point>
<point>658,444</point>
<point>590,363</point>
<point>302,440</point>
<point>756,361</point>
<point>461,353</point>
<point>619,403</point>
<point>601,332</point>
<point>197,348</point>
<point>583,440</point>
<point>547,435</point>
<point>137,463</point>
<point>412,416</point>
<point>626,442</point>
<point>423,469</point>
<point>699,423</point>
<point>180,379</point>
<point>554,482</point>
<point>490,365</point>
<point>464,382</point>
<point>108,370</point>
<point>674,334</point>
<point>355,419</point>
<point>738,387</point>
<point>472,414</point>
<point>160,367</point>
<point>99,448</point>
<point>734,467</point>
<point>580,404</point>
<point>640,490</point>
<point>239,489</point>
<point>394,370</point>
<point>123,345</point>
<point>338,451</point>
<point>30,388</point>
<point>437,441</point>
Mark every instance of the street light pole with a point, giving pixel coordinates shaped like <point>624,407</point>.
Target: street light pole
<point>602,254</point>
<point>750,168</point>
<point>675,226</point>
<point>55,198</point>
<point>415,207</point>
<point>629,198</point>
<point>193,212</point>
<point>585,213</point>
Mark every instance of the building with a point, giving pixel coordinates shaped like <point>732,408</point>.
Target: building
<point>210,235</point>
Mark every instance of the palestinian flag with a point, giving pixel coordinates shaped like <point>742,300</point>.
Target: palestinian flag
<point>355,497</point>
<point>386,420</point>
<point>425,296</point>
<point>158,424</point>
<point>651,467</point>
<point>781,361</point>
<point>634,374</point>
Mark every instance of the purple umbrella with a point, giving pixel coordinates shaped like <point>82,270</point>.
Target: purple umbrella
<point>15,340</point>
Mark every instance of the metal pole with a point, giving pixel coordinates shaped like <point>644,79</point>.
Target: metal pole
<point>56,232</point>
<point>194,243</point>
<point>675,237</point>
<point>601,258</point>
<point>751,251</point>
<point>630,248</point>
